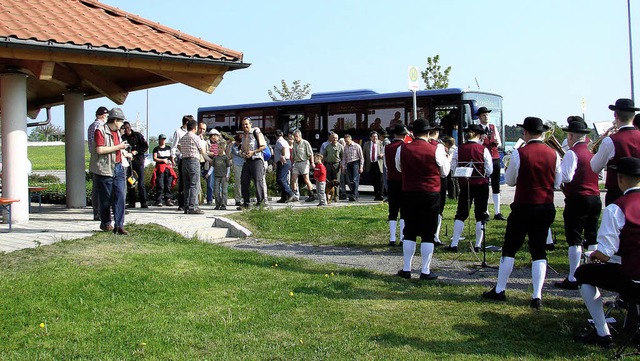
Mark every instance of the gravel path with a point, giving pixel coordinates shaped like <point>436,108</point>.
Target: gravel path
<point>390,261</point>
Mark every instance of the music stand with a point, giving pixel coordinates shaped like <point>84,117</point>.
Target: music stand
<point>467,173</point>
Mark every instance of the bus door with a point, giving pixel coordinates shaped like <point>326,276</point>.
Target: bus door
<point>454,117</point>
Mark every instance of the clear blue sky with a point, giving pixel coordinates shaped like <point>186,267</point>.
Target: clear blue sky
<point>542,56</point>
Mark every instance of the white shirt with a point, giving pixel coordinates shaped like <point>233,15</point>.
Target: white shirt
<point>609,232</point>
<point>488,162</point>
<point>511,175</point>
<point>569,165</point>
<point>282,149</point>
<point>177,135</point>
<point>606,152</point>
<point>441,160</point>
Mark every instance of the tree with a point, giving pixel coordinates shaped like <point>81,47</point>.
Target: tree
<point>433,76</point>
<point>296,91</point>
<point>44,132</point>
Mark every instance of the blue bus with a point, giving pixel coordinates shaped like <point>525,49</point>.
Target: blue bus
<point>357,112</point>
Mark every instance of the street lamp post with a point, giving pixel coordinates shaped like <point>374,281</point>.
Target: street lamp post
<point>630,49</point>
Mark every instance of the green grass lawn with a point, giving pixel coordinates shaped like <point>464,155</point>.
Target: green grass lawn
<point>156,295</point>
<point>51,157</point>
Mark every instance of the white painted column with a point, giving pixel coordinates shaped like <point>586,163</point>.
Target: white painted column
<point>74,149</point>
<point>15,180</point>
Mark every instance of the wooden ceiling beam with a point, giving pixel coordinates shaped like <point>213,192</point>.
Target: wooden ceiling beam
<point>206,83</point>
<point>117,60</point>
<point>100,83</point>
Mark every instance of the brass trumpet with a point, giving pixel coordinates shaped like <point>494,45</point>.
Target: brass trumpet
<point>594,146</point>
<point>551,141</point>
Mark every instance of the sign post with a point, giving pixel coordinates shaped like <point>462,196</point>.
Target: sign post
<point>414,73</point>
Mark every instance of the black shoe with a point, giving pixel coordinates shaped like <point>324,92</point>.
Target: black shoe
<point>281,200</point>
<point>536,303</point>
<point>592,338</point>
<point>476,249</point>
<point>428,276</point>
<point>180,209</point>
<point>493,295</point>
<point>438,244</point>
<point>243,207</point>
<point>130,206</point>
<point>566,284</point>
<point>195,211</point>
<point>223,208</point>
<point>144,205</point>
<point>499,217</point>
<point>404,274</point>
<point>352,199</point>
<point>550,246</point>
<point>392,243</point>
<point>216,208</point>
<point>342,197</point>
<point>310,199</point>
<point>378,199</point>
<point>453,249</point>
<point>96,218</point>
<point>238,204</point>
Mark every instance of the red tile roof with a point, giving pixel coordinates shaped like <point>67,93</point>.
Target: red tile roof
<point>74,22</point>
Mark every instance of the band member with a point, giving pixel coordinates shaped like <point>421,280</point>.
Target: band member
<point>434,135</point>
<point>394,183</point>
<point>535,171</point>
<point>474,189</point>
<point>422,165</point>
<point>491,140</point>
<point>582,199</point>
<point>618,234</point>
<point>624,143</point>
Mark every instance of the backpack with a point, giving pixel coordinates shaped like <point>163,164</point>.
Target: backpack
<point>266,153</point>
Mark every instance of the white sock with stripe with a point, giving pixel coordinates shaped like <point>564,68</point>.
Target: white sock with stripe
<point>504,271</point>
<point>426,249</point>
<point>392,231</point>
<point>408,250</point>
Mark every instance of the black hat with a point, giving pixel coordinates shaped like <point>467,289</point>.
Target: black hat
<point>476,128</point>
<point>421,125</point>
<point>624,104</point>
<point>533,124</point>
<point>577,127</point>
<point>399,129</point>
<point>574,118</point>
<point>101,111</point>
<point>435,125</point>
<point>482,110</point>
<point>627,165</point>
<point>162,136</point>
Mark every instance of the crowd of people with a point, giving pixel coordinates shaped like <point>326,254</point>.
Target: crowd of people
<point>414,170</point>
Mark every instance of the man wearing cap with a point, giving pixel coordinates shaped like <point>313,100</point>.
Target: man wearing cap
<point>473,189</point>
<point>491,140</point>
<point>139,147</point>
<point>163,176</point>
<point>619,234</point>
<point>582,199</point>
<point>422,165</point>
<point>535,171</point>
<point>373,153</point>
<point>107,166</point>
<point>624,143</point>
<point>394,183</point>
<point>101,118</point>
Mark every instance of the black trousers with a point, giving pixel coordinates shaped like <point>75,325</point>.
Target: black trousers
<point>609,277</point>
<point>476,194</point>
<point>420,212</point>
<point>376,179</point>
<point>137,165</point>
<point>581,213</point>
<point>495,176</point>
<point>532,220</point>
<point>394,199</point>
<point>163,185</point>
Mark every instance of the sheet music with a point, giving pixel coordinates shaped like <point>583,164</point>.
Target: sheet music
<point>463,172</point>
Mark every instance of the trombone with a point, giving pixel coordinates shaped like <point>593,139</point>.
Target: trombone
<point>594,146</point>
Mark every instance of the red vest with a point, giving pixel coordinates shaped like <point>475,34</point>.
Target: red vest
<point>390,160</point>
<point>472,152</point>
<point>420,173</point>
<point>629,249</point>
<point>490,140</point>
<point>627,144</point>
<point>536,174</point>
<point>585,181</point>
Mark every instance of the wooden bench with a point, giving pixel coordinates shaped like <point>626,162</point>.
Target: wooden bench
<point>5,205</point>
<point>33,192</point>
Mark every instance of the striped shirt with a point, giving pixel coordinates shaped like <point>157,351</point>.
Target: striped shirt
<point>352,153</point>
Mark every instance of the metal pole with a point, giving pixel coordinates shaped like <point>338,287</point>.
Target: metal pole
<point>630,49</point>
<point>147,115</point>
<point>415,106</point>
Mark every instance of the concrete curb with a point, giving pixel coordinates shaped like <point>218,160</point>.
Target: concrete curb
<point>234,230</point>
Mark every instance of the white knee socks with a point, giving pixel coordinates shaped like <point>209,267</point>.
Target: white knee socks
<point>479,234</point>
<point>426,249</point>
<point>458,227</point>
<point>538,273</point>
<point>593,301</point>
<point>408,250</point>
<point>496,203</point>
<point>437,235</point>
<point>575,253</point>
<point>549,237</point>
<point>504,271</point>
<point>401,229</point>
<point>392,231</point>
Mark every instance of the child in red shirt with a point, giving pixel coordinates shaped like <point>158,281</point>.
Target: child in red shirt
<point>320,175</point>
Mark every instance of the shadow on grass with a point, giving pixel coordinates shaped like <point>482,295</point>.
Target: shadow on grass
<point>532,335</point>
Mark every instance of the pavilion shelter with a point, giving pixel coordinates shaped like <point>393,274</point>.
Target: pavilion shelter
<point>63,52</point>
